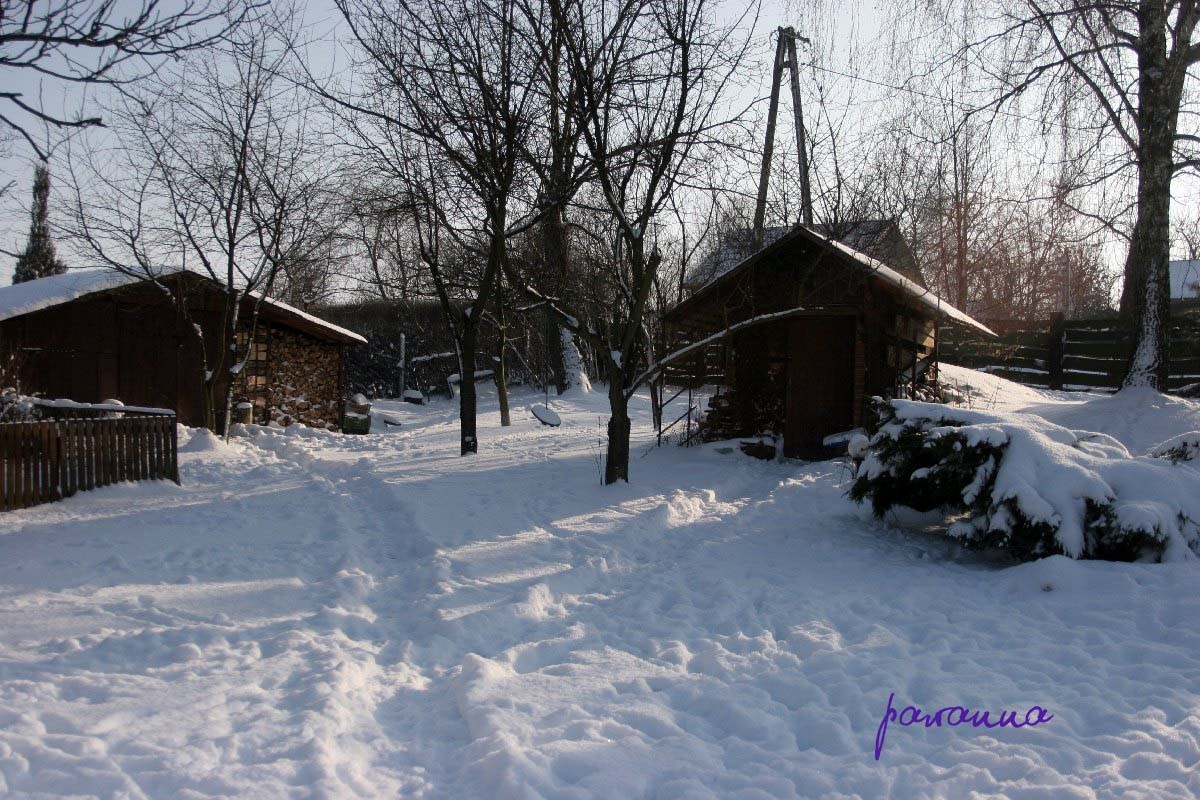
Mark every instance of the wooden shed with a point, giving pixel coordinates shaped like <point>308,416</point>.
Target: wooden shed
<point>96,334</point>
<point>805,330</point>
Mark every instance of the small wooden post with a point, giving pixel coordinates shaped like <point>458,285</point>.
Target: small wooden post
<point>1054,351</point>
<point>110,452</point>
<point>403,365</point>
<point>79,452</point>
<point>9,458</point>
<point>21,460</point>
<point>174,450</point>
<point>89,453</point>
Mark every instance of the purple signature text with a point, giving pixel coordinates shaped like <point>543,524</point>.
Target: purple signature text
<point>953,716</point>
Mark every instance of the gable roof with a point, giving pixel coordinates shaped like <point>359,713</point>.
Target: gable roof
<point>880,239</point>
<point>36,295</point>
<point>910,286</point>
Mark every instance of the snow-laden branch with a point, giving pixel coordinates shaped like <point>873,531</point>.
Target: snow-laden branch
<point>654,370</point>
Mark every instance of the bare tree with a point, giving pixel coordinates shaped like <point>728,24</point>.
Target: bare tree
<point>1131,61</point>
<point>387,261</point>
<point>449,103</point>
<point>653,79</point>
<point>97,42</point>
<point>216,171</point>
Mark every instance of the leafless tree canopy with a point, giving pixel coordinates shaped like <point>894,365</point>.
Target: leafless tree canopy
<point>95,42</point>
<point>217,168</point>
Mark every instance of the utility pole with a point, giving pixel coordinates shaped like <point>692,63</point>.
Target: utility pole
<point>764,175</point>
<point>789,35</point>
<point>785,55</point>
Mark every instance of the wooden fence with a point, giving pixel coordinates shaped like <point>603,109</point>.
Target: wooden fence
<point>51,459</point>
<point>1083,355</point>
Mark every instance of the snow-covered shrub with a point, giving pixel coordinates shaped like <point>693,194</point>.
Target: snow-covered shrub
<point>17,407</point>
<point>573,366</point>
<point>1018,482</point>
<point>1184,447</point>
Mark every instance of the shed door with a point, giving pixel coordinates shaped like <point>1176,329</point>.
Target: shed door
<point>820,395</point>
<point>146,356</point>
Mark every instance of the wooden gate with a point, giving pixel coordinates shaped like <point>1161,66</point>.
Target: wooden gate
<point>51,459</point>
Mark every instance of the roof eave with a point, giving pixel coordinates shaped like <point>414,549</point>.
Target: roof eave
<point>927,298</point>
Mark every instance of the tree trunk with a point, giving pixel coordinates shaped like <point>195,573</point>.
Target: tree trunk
<point>1145,295</point>
<point>554,252</point>
<point>467,403</point>
<point>616,463</point>
<point>229,357</point>
<point>210,401</point>
<point>656,398</point>
<point>502,365</point>
<point>556,353</point>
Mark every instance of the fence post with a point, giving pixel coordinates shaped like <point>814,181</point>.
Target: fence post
<point>1054,351</point>
<point>174,425</point>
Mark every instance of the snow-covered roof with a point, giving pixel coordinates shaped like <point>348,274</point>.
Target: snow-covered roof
<point>910,287</point>
<point>36,295</point>
<point>1185,279</point>
<point>881,239</point>
<point>25,298</point>
<point>279,305</point>
<point>876,267</point>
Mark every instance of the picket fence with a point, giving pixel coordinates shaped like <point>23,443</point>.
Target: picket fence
<point>48,460</point>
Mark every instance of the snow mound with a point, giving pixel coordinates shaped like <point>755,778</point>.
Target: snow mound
<point>202,440</point>
<point>992,392</point>
<point>1139,417</point>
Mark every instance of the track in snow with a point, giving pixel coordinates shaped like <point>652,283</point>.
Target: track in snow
<point>323,616</point>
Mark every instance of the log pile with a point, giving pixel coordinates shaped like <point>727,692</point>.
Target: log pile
<point>302,383</point>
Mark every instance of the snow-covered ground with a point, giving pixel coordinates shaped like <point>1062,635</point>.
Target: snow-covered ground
<point>314,615</point>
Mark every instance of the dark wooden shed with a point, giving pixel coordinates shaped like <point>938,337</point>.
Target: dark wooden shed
<point>804,331</point>
<point>95,334</point>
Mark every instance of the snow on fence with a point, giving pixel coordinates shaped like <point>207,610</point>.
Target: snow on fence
<point>48,460</point>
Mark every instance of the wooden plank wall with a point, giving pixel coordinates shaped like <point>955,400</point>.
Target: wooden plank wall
<point>51,459</point>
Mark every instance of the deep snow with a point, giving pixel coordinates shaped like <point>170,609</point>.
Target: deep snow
<point>315,615</point>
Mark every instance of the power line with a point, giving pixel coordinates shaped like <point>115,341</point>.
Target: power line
<point>943,100</point>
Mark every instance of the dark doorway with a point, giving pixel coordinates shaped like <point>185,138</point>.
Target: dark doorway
<point>820,396</point>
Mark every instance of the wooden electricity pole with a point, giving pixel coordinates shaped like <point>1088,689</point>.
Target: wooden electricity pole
<point>785,55</point>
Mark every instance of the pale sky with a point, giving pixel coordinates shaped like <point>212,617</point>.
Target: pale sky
<point>16,161</point>
<point>857,93</point>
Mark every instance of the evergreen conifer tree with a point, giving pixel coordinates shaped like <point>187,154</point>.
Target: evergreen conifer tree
<point>39,259</point>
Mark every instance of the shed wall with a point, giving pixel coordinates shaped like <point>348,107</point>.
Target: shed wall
<point>131,344</point>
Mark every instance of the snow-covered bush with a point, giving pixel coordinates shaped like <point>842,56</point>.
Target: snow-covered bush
<point>17,407</point>
<point>573,367</point>
<point>1184,447</point>
<point>1018,482</point>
